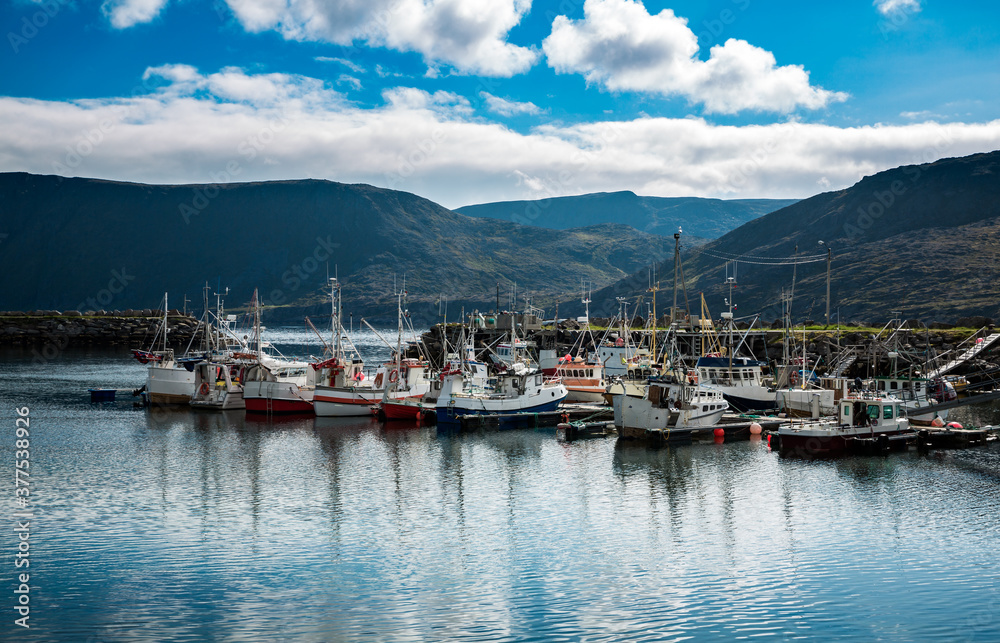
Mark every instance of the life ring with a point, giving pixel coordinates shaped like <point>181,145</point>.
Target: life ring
<point>378,381</point>
<point>793,379</point>
<point>692,377</point>
<point>393,376</point>
<point>204,388</point>
<point>619,342</point>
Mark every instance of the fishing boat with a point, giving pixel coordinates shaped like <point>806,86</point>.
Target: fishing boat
<point>581,373</point>
<point>279,385</point>
<point>517,390</point>
<point>170,379</point>
<point>396,380</point>
<point>627,366</point>
<point>219,385</point>
<point>740,379</point>
<point>919,395</point>
<point>669,404</point>
<point>866,421</point>
<point>811,396</point>
<point>413,410</point>
<point>672,402</point>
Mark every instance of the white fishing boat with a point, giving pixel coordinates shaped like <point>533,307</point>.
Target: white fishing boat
<point>669,404</point>
<point>627,366</point>
<point>168,380</point>
<point>279,385</point>
<point>399,379</point>
<point>219,385</point>
<point>672,402</point>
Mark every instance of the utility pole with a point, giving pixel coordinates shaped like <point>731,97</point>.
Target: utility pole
<point>677,255</point>
<point>829,256</point>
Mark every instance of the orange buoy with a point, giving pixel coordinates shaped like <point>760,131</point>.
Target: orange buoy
<point>720,432</point>
<point>755,428</point>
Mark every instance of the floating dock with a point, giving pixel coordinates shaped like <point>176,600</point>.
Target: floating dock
<point>731,428</point>
<point>950,438</point>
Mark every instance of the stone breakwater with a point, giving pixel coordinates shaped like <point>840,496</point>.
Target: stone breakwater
<point>132,328</point>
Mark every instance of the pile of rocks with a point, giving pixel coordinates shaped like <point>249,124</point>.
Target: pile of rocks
<point>129,327</point>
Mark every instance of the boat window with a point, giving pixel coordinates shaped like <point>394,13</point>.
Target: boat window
<point>847,411</point>
<point>881,385</point>
<point>887,413</point>
<point>873,411</point>
<point>894,385</point>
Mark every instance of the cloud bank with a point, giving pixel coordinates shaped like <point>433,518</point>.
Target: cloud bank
<point>185,126</point>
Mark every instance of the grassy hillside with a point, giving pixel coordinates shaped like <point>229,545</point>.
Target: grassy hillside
<point>923,240</point>
<point>85,243</point>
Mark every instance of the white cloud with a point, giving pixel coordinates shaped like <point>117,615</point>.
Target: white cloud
<point>506,107</point>
<point>353,66</point>
<point>346,79</point>
<point>192,127</point>
<point>128,13</point>
<point>620,46</point>
<point>887,7</point>
<point>468,35</point>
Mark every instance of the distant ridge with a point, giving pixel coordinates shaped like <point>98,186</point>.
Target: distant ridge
<point>922,240</point>
<point>74,242</point>
<point>707,218</point>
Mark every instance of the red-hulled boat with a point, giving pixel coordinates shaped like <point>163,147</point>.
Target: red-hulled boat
<point>411,410</point>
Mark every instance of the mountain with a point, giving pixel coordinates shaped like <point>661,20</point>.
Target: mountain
<point>705,218</point>
<point>923,240</point>
<point>94,244</point>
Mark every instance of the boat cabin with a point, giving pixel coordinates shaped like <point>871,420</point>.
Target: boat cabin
<point>917,388</point>
<point>720,371</point>
<point>870,410</point>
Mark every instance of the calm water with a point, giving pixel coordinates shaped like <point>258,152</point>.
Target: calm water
<point>188,526</point>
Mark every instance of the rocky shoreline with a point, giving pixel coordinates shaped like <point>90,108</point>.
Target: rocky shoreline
<point>134,328</point>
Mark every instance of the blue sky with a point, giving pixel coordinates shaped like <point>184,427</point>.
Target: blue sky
<point>467,101</point>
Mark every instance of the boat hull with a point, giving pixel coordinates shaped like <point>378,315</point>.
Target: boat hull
<point>277,397</point>
<point>746,404</point>
<point>832,445</point>
<point>450,414</point>
<point>228,401</point>
<point>166,385</point>
<point>592,395</point>
<point>410,412</point>
<point>352,402</point>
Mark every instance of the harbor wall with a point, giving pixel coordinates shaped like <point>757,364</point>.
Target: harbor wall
<point>132,328</point>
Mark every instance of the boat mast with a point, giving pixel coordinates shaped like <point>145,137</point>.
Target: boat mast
<point>165,307</point>
<point>205,341</point>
